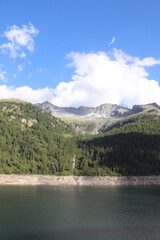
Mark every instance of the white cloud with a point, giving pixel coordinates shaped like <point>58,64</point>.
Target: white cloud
<point>101,78</point>
<point>112,41</point>
<point>20,67</point>
<point>149,61</point>
<point>3,73</point>
<point>26,93</point>
<point>23,55</point>
<point>19,40</point>
<point>40,70</point>
<point>98,78</point>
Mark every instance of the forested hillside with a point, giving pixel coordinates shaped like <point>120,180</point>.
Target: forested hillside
<point>32,141</point>
<point>130,147</point>
<point>35,142</point>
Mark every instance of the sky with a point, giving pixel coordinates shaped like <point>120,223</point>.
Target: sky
<point>80,52</point>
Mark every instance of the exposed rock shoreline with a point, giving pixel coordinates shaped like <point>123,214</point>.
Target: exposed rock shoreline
<point>13,179</point>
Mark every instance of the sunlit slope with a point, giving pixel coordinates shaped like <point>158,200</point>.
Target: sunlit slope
<point>32,141</point>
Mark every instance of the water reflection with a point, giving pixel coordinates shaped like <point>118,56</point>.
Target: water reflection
<point>49,212</point>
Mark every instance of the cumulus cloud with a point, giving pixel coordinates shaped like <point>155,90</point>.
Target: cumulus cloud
<point>3,73</point>
<point>98,78</point>
<point>26,93</point>
<point>112,41</point>
<point>19,40</point>
<point>116,78</point>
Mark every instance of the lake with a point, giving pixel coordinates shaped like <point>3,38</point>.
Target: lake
<point>79,213</point>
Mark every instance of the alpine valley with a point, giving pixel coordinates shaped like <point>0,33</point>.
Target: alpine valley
<point>105,140</point>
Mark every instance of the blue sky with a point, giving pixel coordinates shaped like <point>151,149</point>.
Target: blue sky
<point>71,50</point>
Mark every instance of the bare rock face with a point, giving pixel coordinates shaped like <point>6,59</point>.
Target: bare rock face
<point>31,122</point>
<point>152,107</point>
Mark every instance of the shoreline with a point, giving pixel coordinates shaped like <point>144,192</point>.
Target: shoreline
<point>13,179</point>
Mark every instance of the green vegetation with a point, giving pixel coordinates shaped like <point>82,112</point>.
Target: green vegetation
<point>130,147</point>
<point>34,142</point>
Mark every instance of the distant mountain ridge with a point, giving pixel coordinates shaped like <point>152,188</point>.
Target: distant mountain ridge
<point>106,110</point>
<point>93,119</point>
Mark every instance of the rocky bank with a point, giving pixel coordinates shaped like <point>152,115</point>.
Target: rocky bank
<point>77,180</point>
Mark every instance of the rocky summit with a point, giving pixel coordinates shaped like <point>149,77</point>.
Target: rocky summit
<point>94,119</point>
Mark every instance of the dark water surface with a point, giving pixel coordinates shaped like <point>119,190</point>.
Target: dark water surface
<point>79,213</point>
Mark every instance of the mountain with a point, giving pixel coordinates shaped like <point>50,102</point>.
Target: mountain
<point>35,142</point>
<point>103,111</point>
<point>94,119</point>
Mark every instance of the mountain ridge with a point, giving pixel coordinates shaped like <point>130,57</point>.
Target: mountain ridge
<point>93,119</point>
<point>106,109</point>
